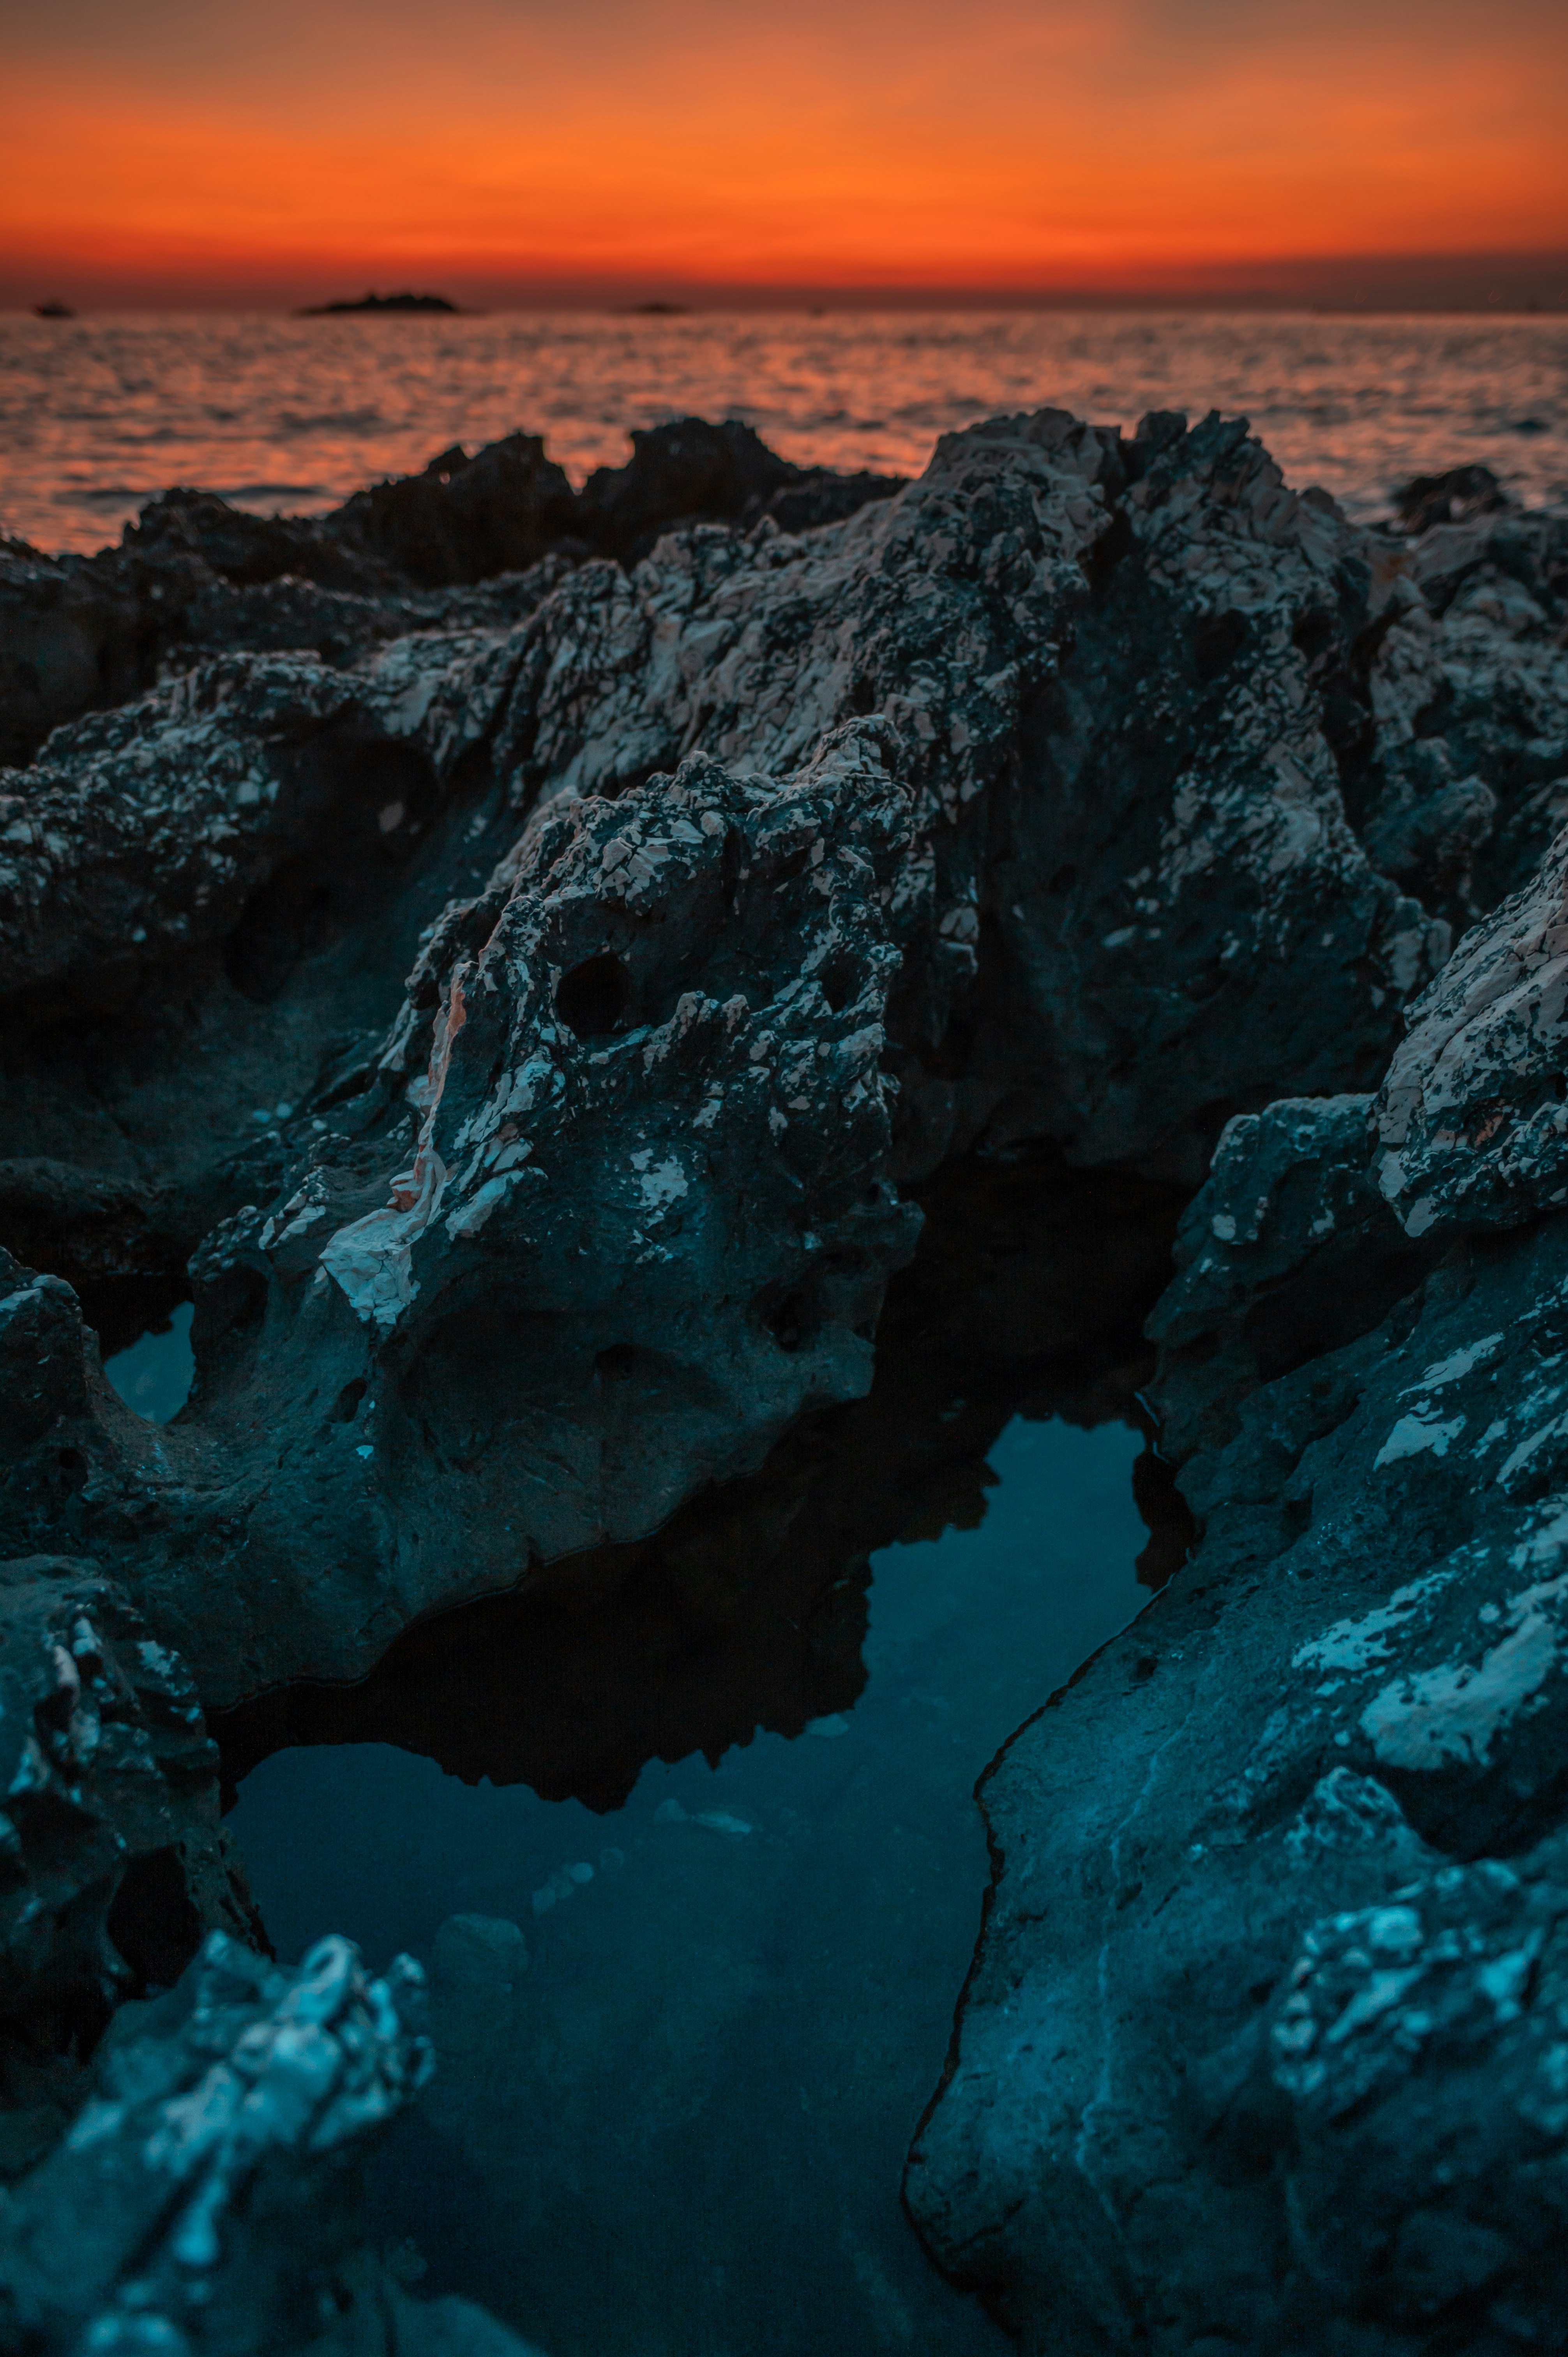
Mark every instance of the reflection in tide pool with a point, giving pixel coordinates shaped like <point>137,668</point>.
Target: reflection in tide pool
<point>683,2047</point>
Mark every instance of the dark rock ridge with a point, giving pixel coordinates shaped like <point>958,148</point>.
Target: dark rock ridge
<point>1266,2042</point>
<point>195,576</point>
<point>529,1027</point>
<point>738,891</point>
<point>1455,496</point>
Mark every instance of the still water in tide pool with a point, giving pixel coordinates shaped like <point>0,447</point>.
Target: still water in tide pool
<point>99,414</point>
<point>154,1373</point>
<point>677,2130</point>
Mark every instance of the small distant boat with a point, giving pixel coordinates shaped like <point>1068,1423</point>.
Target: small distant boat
<point>53,311</point>
<point>380,303</point>
<point>657,311</point>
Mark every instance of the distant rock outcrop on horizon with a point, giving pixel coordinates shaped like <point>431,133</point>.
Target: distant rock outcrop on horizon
<point>382,303</point>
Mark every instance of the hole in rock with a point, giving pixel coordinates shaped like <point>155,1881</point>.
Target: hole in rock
<point>840,981</point>
<point>592,998</point>
<point>789,1320</point>
<point>1313,632</point>
<point>154,1373</point>
<point>1216,641</point>
<point>685,1833</point>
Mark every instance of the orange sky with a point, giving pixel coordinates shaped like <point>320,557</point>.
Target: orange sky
<point>216,147</point>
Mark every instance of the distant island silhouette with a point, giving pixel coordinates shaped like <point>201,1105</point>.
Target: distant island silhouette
<point>382,303</point>
<point>659,311</point>
<point>53,311</point>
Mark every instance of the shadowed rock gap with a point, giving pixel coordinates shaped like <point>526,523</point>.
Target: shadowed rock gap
<point>1026,1295</point>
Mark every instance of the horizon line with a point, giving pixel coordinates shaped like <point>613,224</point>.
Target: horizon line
<point>1483,282</point>
<point>817,304</point>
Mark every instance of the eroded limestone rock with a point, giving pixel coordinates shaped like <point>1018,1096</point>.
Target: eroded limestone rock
<point>644,1178</point>
<point>737,890</point>
<point>1265,2045</point>
<point>1472,1122</point>
<point>748,1609</point>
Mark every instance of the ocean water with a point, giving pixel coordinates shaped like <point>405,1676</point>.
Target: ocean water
<point>98,415</point>
<point>684,2046</point>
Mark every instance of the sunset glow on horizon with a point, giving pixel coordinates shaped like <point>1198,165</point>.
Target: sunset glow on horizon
<point>206,153</point>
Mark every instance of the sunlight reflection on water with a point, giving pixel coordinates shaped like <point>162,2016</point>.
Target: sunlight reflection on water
<point>99,414</point>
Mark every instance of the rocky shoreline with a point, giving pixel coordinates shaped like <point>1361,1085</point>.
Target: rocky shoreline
<point>521,960</point>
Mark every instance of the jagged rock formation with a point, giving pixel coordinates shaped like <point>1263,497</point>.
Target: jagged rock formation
<point>206,2199</point>
<point>1264,2046</point>
<point>195,576</point>
<point>691,472</point>
<point>1017,806</point>
<point>528,1016</point>
<point>1473,1126</point>
<point>686,1227</point>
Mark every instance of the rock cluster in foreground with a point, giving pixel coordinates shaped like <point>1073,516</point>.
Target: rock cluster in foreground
<point>523,1020</point>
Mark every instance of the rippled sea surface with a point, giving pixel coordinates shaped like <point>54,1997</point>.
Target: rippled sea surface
<point>98,415</point>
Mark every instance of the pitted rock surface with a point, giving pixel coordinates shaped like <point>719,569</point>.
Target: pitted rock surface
<point>113,1859</point>
<point>109,1773</point>
<point>1118,757</point>
<point>1472,1122</point>
<point>639,1225</point>
<point>477,538</point>
<point>1286,1252</point>
<point>149,829</point>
